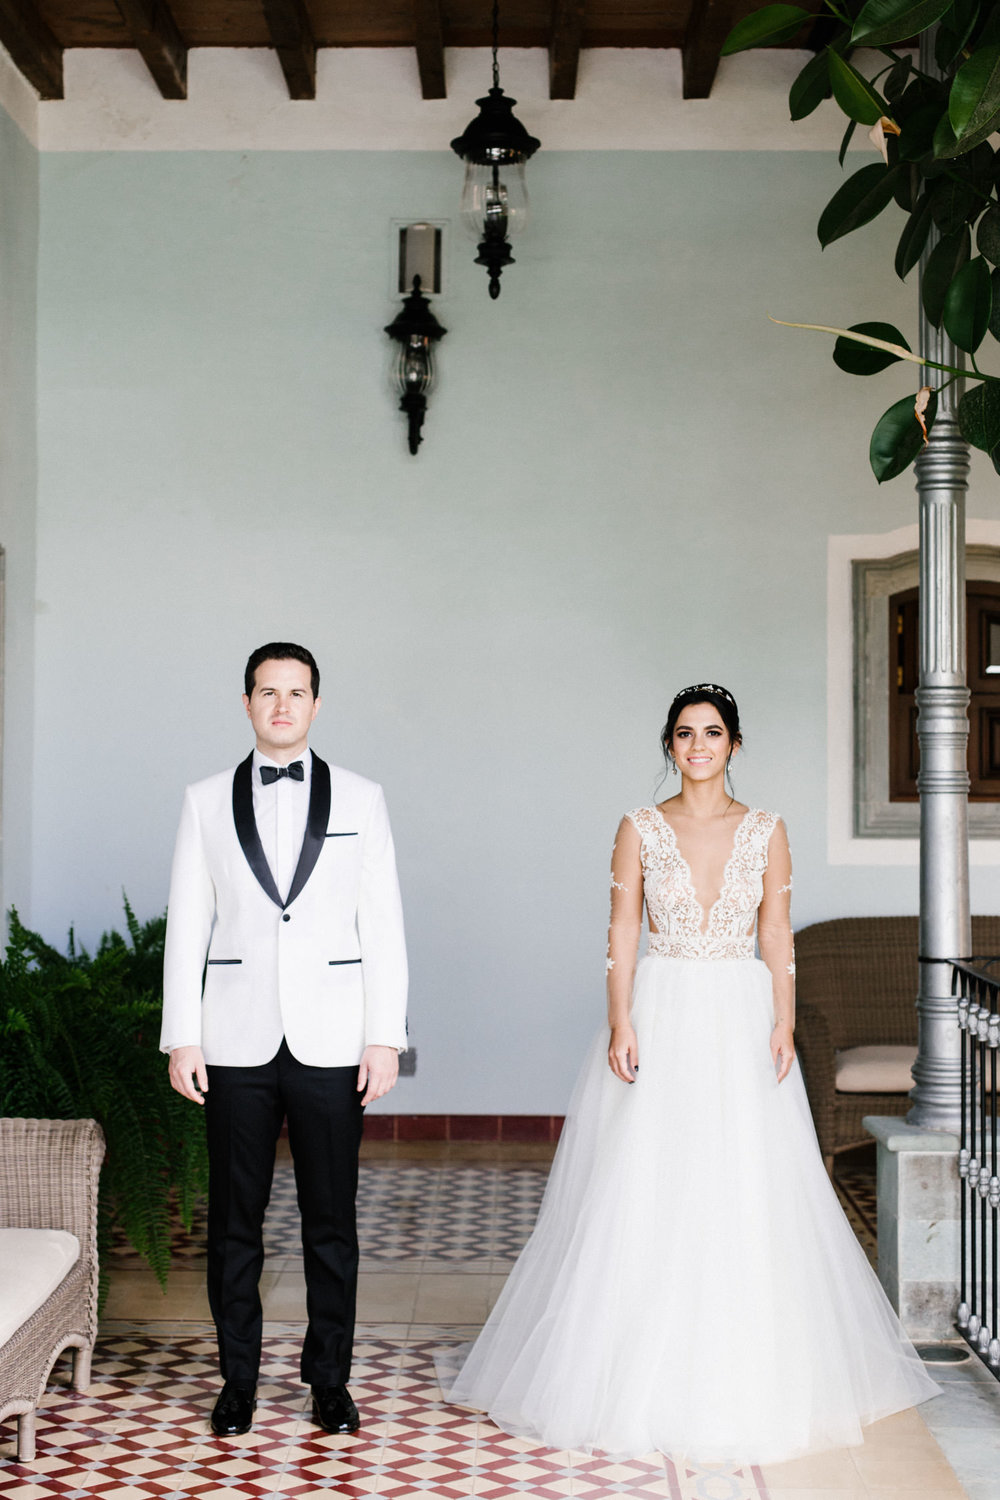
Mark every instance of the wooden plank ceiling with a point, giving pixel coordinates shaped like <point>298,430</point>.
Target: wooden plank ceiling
<point>35,33</point>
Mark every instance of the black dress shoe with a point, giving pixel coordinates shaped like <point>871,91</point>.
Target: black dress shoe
<point>233,1412</point>
<point>334,1410</point>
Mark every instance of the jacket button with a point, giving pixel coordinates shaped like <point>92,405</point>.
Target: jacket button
<point>285,917</point>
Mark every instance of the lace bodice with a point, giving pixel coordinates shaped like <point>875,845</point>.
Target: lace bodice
<point>684,929</point>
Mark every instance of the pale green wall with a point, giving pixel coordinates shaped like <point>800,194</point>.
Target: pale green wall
<point>626,485</point>
<point>18,276</point>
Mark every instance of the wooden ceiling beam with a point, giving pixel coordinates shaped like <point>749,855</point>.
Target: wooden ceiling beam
<point>709,24</point>
<point>163,50</point>
<point>33,48</point>
<point>430,48</point>
<point>294,40</point>
<point>564,48</point>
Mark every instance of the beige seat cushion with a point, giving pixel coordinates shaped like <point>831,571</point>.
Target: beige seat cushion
<point>32,1264</point>
<point>874,1070</point>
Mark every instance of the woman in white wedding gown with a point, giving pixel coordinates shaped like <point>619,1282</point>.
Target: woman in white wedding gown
<point>692,1284</point>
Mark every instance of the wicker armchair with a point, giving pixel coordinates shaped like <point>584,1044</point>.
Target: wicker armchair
<point>856,984</point>
<point>49,1171</point>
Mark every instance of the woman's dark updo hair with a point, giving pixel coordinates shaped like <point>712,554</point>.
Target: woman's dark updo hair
<point>702,692</point>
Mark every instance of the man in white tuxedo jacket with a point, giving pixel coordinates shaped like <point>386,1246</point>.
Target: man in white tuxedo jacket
<point>284,995</point>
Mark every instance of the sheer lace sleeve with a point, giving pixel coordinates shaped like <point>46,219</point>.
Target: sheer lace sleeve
<point>774,926</point>
<point>626,918</point>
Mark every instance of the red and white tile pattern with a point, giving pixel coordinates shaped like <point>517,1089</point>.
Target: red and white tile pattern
<point>141,1433</point>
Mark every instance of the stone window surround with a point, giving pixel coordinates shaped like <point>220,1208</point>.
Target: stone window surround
<point>844,846</point>
<point>875,580</point>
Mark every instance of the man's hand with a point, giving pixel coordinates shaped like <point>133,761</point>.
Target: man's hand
<point>379,1070</point>
<point>187,1073</point>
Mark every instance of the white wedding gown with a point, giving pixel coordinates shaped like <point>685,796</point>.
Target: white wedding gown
<point>692,1284</point>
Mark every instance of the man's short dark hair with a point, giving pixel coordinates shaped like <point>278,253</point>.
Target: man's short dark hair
<point>280,651</point>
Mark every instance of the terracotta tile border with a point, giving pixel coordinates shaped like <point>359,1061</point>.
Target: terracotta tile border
<point>544,1128</point>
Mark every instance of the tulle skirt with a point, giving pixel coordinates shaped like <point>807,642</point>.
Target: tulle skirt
<point>692,1284</point>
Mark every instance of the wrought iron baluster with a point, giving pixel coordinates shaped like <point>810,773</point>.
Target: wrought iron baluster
<point>978,1006</point>
<point>961,980</point>
<point>993,1040</point>
<point>982,1033</point>
<point>975,1320</point>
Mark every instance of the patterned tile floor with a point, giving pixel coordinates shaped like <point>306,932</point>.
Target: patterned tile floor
<point>438,1236</point>
<point>140,1434</point>
<point>462,1214</point>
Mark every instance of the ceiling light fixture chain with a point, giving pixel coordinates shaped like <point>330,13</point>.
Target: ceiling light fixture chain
<point>496,43</point>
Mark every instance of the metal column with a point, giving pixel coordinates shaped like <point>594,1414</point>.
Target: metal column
<point>943,731</point>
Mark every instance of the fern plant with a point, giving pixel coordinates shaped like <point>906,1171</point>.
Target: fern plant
<point>79,1039</point>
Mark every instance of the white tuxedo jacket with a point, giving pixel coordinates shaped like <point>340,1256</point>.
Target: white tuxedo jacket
<point>325,969</point>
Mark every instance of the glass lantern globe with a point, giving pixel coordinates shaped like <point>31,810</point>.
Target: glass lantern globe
<point>494,191</point>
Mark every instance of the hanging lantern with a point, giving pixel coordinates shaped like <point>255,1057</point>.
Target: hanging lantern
<point>416,330</point>
<point>494,147</point>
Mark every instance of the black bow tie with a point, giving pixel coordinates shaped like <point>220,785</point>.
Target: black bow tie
<point>274,773</point>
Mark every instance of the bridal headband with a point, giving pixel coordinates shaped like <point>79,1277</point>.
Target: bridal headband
<point>706,687</point>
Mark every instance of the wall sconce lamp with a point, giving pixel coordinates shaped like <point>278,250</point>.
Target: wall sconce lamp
<point>415,328</point>
<point>494,147</point>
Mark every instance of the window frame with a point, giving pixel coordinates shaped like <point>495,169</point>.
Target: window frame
<point>874,582</point>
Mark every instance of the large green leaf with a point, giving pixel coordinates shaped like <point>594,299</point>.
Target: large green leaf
<point>767,27</point>
<point>968,303</point>
<point>974,101</point>
<point>898,437</point>
<point>978,165</point>
<point>882,22</point>
<point>900,351</point>
<point>920,92</point>
<point>862,359</point>
<point>897,79</point>
<point>988,234</point>
<point>953,200</point>
<point>957,25</point>
<point>908,182</point>
<point>853,92</point>
<point>990,31</point>
<point>995,314</point>
<point>945,144</point>
<point>979,416</point>
<point>810,88</point>
<point>916,136</point>
<point>861,199</point>
<point>913,238</point>
<point>943,264</point>
<point>848,133</point>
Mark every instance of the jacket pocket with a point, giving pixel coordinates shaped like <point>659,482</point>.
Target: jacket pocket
<point>225,960</point>
<point>352,834</point>
<point>335,963</point>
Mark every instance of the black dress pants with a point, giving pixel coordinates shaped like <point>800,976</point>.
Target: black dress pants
<point>244,1110</point>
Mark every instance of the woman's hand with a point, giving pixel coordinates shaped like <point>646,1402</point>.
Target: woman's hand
<point>623,1053</point>
<point>782,1050</point>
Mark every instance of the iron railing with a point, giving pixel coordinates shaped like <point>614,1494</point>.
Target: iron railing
<point>978,1316</point>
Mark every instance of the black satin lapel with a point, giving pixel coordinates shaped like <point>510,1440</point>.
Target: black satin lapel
<point>246,828</point>
<point>319,817</point>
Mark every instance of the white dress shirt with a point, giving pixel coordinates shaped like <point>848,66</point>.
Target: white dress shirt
<point>281,812</point>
